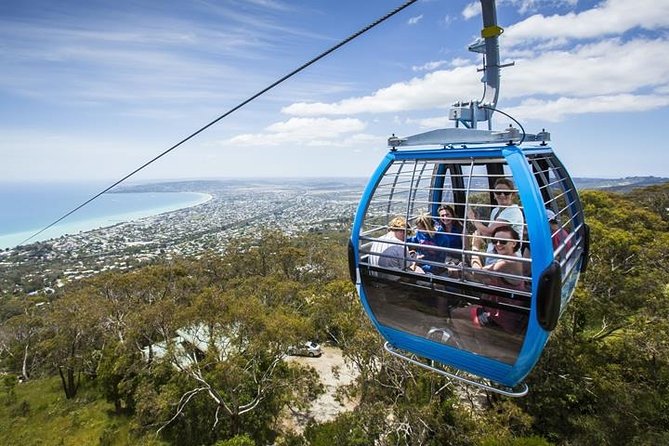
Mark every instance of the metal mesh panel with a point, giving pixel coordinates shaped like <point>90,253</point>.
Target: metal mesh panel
<point>564,217</point>
<point>428,281</point>
<point>413,188</point>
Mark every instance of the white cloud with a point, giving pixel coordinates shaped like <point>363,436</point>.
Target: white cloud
<point>611,17</point>
<point>429,66</point>
<point>435,122</point>
<point>557,110</point>
<point>523,6</point>
<point>585,71</point>
<point>436,89</point>
<point>664,89</point>
<point>471,10</point>
<point>590,70</point>
<point>302,131</point>
<point>415,20</point>
<point>269,4</point>
<point>460,62</point>
<point>48,154</point>
<point>448,19</point>
<point>118,57</point>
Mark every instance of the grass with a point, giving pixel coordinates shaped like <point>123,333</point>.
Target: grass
<point>37,413</point>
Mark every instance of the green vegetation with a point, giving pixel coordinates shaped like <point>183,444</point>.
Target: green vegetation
<point>38,414</point>
<point>107,362</point>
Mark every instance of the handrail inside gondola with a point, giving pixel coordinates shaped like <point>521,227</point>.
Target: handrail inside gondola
<point>431,283</point>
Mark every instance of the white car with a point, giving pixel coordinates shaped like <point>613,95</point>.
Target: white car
<point>310,349</point>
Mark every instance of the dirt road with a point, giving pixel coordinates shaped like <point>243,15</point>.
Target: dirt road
<point>326,408</point>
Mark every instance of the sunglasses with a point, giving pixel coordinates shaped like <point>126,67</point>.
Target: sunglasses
<point>500,242</point>
<point>503,192</point>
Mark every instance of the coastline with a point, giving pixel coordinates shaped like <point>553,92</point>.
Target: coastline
<point>11,240</point>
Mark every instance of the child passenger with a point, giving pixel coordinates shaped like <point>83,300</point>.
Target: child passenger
<point>427,254</point>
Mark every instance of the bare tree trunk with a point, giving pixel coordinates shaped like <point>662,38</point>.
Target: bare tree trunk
<point>24,366</point>
<point>234,424</point>
<point>73,385</point>
<point>69,385</point>
<point>64,383</point>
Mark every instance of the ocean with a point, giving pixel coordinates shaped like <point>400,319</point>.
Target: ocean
<point>26,208</point>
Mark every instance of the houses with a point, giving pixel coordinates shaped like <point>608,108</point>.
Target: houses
<point>189,346</point>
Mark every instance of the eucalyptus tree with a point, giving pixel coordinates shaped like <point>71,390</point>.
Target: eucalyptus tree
<point>604,377</point>
<point>19,337</point>
<point>73,339</point>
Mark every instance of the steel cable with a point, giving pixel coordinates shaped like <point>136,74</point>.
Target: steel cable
<point>229,112</point>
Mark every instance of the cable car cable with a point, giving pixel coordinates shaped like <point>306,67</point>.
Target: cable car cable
<point>229,112</point>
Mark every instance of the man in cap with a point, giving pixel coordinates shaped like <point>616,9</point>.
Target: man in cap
<point>390,251</point>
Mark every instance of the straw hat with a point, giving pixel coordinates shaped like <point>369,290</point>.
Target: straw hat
<point>398,224</point>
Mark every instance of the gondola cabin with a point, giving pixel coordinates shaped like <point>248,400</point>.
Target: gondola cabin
<point>427,264</point>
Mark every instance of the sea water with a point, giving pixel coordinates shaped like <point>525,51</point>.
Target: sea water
<point>26,208</point>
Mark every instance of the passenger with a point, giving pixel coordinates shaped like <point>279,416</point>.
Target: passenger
<point>558,237</point>
<point>390,249</point>
<point>449,230</point>
<point>426,236</point>
<point>526,253</point>
<point>501,338</point>
<point>558,234</point>
<point>507,243</point>
<point>506,213</point>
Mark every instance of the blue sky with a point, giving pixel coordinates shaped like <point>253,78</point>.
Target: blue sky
<point>93,89</point>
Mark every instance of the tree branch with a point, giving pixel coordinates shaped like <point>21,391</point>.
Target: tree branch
<point>185,398</point>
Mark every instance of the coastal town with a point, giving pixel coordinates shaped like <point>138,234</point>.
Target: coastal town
<point>238,208</point>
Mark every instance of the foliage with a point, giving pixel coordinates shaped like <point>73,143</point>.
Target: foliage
<point>19,336</point>
<point>604,377</point>
<point>72,339</point>
<point>654,198</point>
<point>239,440</point>
<point>118,376</point>
<point>41,415</point>
<point>192,349</point>
<point>8,383</point>
<point>349,429</point>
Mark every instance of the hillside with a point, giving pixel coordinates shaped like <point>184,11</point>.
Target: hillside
<point>88,382</point>
<point>622,185</point>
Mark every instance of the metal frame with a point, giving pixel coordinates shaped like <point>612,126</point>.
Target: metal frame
<point>537,174</point>
<point>472,382</point>
<point>409,166</point>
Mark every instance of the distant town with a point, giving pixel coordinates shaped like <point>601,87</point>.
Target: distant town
<point>238,208</point>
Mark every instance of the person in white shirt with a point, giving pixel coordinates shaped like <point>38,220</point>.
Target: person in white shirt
<point>507,213</point>
<point>390,251</point>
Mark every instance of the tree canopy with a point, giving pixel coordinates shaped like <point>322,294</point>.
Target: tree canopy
<point>193,349</point>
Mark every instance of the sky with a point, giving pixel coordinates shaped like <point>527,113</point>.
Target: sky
<point>93,89</point>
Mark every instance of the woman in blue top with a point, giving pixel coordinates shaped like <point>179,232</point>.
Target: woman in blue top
<point>449,231</point>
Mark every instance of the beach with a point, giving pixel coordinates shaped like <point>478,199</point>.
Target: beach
<point>120,208</point>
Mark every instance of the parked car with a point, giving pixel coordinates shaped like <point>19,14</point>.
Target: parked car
<point>310,349</point>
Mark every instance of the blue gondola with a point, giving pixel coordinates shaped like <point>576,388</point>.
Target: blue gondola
<point>445,305</point>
